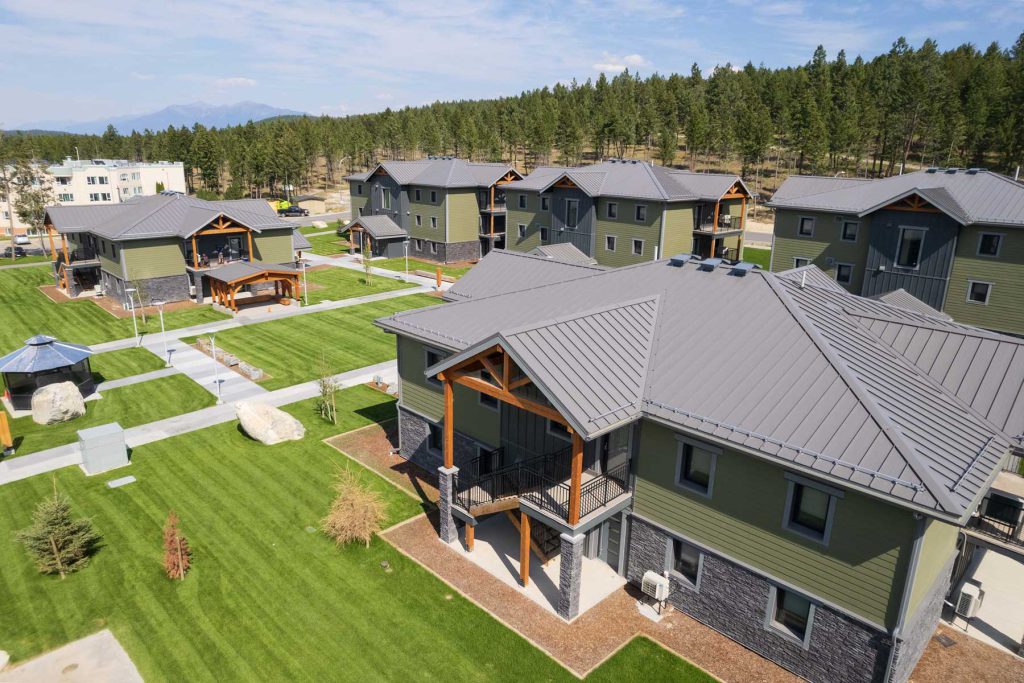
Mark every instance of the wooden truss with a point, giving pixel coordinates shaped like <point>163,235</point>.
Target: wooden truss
<point>912,203</point>
<point>222,225</point>
<point>286,284</point>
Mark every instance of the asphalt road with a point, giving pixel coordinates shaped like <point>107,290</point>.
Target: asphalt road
<point>325,217</point>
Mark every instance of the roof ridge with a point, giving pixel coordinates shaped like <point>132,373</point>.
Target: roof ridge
<point>891,431</point>
<point>955,327</point>
<point>657,183</point>
<point>156,208</point>
<point>551,322</point>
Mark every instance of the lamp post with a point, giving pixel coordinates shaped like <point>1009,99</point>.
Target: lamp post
<point>216,370</point>
<point>131,306</point>
<point>163,335</point>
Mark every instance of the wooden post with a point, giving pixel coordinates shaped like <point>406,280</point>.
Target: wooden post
<point>449,424</point>
<point>469,537</point>
<point>6,441</point>
<point>437,275</point>
<point>53,249</point>
<point>743,213</point>
<point>575,478</point>
<point>195,253</point>
<point>64,247</point>
<point>524,549</point>
<point>249,235</point>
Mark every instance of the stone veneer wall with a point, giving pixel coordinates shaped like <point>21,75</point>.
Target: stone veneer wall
<point>413,431</point>
<point>168,288</point>
<point>734,601</point>
<point>918,629</point>
<point>446,252</point>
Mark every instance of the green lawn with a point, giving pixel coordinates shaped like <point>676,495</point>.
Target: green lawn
<point>416,264</point>
<point>129,406</point>
<point>38,258</point>
<point>342,283</point>
<point>328,245</point>
<point>331,225</point>
<point>267,599</point>
<point>123,363</point>
<point>757,256</point>
<point>289,349</point>
<point>25,311</point>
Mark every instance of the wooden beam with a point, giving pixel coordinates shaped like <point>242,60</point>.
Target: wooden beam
<point>506,371</point>
<point>220,231</point>
<point>195,253</point>
<point>248,234</point>
<point>524,403</point>
<point>489,366</point>
<point>53,249</point>
<point>449,423</point>
<point>714,227</point>
<point>6,441</point>
<point>575,479</point>
<point>521,382</point>
<point>462,365</point>
<point>64,247</point>
<point>524,549</point>
<point>469,537</point>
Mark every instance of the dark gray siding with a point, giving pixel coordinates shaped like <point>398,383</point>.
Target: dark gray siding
<point>929,282</point>
<point>583,236</point>
<point>399,200</point>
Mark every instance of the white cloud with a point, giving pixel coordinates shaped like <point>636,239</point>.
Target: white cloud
<point>234,82</point>
<point>142,77</point>
<point>613,64</point>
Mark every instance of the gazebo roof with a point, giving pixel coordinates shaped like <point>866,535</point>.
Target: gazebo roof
<point>42,353</point>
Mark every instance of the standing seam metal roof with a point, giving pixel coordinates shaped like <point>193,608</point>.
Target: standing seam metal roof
<point>447,172</point>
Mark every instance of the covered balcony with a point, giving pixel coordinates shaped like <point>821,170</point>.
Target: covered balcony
<point>218,244</point>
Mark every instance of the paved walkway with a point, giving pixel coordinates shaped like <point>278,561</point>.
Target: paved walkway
<point>211,375</point>
<point>23,265</point>
<point>98,658</point>
<point>136,379</point>
<point>350,262</point>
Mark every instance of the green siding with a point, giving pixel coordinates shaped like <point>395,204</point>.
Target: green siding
<point>358,201</point>
<point>108,261</point>
<point>1005,308</point>
<point>463,216</point>
<point>472,418</point>
<point>861,569</point>
<point>532,217</point>
<point>154,258</point>
<point>273,246</point>
<point>938,545</point>
<point>626,229</point>
<point>425,209</point>
<point>824,244</point>
<point>678,230</point>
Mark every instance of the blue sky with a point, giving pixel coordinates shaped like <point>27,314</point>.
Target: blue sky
<point>80,60</point>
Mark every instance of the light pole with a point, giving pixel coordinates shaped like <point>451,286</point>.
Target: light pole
<point>163,335</point>
<point>131,306</point>
<point>216,370</point>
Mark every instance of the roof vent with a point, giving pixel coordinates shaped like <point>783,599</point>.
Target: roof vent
<point>710,263</point>
<point>741,269</point>
<point>932,169</point>
<point>680,260</point>
<point>974,171</point>
<point>952,170</point>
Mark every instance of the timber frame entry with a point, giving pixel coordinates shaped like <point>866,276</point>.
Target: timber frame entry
<point>221,226</point>
<point>286,285</point>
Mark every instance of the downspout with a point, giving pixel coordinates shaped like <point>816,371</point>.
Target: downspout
<point>915,557</point>
<point>445,200</point>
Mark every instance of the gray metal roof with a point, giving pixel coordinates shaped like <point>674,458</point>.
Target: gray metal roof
<point>240,269</point>
<point>501,271</point>
<point>565,252</point>
<point>162,215</point>
<point>969,196</point>
<point>380,227</point>
<point>42,353</point>
<point>300,241</point>
<point>904,299</point>
<point>447,172</point>
<point>631,179</point>
<point>806,384</point>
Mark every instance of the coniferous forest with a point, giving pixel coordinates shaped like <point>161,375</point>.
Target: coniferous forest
<point>911,107</point>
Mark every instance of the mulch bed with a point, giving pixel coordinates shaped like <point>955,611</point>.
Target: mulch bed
<point>113,306</point>
<point>53,294</point>
<point>967,659</point>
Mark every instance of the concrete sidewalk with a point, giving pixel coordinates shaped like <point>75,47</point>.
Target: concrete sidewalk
<point>351,263</point>
<point>208,373</point>
<point>136,379</point>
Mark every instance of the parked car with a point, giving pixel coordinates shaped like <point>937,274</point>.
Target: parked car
<point>21,239</point>
<point>293,210</point>
<point>18,252</point>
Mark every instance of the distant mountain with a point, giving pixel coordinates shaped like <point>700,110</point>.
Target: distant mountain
<point>210,115</point>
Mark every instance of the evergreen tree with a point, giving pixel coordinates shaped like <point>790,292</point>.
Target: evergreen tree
<point>57,543</point>
<point>668,144</point>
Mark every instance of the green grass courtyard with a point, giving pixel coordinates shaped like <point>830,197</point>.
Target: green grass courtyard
<point>416,264</point>
<point>268,597</point>
<point>334,284</point>
<point>123,363</point>
<point>328,245</point>
<point>760,257</point>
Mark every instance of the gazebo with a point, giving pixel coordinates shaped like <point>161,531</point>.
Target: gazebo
<point>42,361</point>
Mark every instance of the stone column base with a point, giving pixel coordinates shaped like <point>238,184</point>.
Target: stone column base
<point>570,576</point>
<point>446,527</point>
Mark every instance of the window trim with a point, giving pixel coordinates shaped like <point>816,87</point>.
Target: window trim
<point>614,242</point>
<point>359,189</point>
<point>797,259</point>
<point>800,226</point>
<point>547,430</point>
<point>521,231</point>
<point>433,248</point>
<point>480,400</point>
<point>545,202</point>
<point>670,563</point>
<point>851,265</point>
<point>430,428</point>
<point>608,211</point>
<point>522,201</point>
<point>715,451</point>
<point>427,350</point>
<point>632,247</point>
<point>416,193</point>
<point>385,199</point>
<point>636,213</point>
<point>568,203</point>
<point>899,245</point>
<point>842,230</point>
<point>419,221</point>
<point>999,250</point>
<point>770,624</point>
<point>433,196</point>
<point>433,222</point>
<point>988,294</point>
<point>834,494</point>
<point>545,234</point>
<point>418,243</point>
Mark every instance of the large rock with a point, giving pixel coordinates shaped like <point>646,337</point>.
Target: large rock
<point>57,403</point>
<point>268,424</point>
<point>320,224</point>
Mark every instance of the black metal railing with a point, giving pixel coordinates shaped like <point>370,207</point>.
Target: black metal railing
<point>725,222</point>
<point>1015,463</point>
<point>594,495</point>
<point>999,521</point>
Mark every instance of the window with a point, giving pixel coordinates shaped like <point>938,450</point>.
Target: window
<point>360,210</point>
<point>385,198</point>
<point>978,292</point>
<point>544,234</point>
<point>359,188</point>
<point>572,213</point>
<point>522,201</point>
<point>124,176</point>
<point>136,176</point>
<point>848,232</point>
<point>487,400</point>
<point>417,194</point>
<point>418,244</point>
<point>638,247</point>
<point>104,180</point>
<point>695,467</point>
<point>419,220</point>
<point>806,227</point>
<point>800,262</point>
<point>612,210</point>
<point>435,439</point>
<point>908,250</point>
<point>432,357</point>
<point>809,508</point>
<point>521,230</point>
<point>559,430</point>
<point>65,197</point>
<point>609,242</point>
<point>641,213</point>
<point>844,273</point>
<point>684,560</point>
<point>990,244</point>
<point>433,222</point>
<point>545,203</point>
<point>113,251</point>
<point>791,614</point>
<point>433,248</point>
<point>90,180</point>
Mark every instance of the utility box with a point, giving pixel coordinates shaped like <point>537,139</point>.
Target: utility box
<point>103,448</point>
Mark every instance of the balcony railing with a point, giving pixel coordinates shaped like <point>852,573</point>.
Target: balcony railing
<point>998,526</point>
<point>725,222</point>
<point>76,255</point>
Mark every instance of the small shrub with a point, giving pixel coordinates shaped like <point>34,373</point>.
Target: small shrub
<point>177,554</point>
<point>58,543</point>
<point>357,513</point>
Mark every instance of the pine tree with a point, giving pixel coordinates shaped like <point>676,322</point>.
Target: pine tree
<point>58,543</point>
<point>668,143</point>
<point>177,554</point>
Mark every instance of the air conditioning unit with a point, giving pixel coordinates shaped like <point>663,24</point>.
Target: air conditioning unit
<point>655,586</point>
<point>968,602</point>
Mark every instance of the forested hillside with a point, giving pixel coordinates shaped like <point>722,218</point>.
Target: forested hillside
<point>914,106</point>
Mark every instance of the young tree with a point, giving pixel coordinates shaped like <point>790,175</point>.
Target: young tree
<point>58,543</point>
<point>177,553</point>
<point>34,192</point>
<point>357,513</point>
<point>327,403</point>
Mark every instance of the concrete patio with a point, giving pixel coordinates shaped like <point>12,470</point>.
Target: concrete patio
<point>1000,619</point>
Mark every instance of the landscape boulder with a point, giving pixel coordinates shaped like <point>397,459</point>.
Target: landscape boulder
<point>267,424</point>
<point>59,402</point>
<point>320,224</point>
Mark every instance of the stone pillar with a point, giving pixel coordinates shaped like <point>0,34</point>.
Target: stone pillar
<point>447,530</point>
<point>570,576</point>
